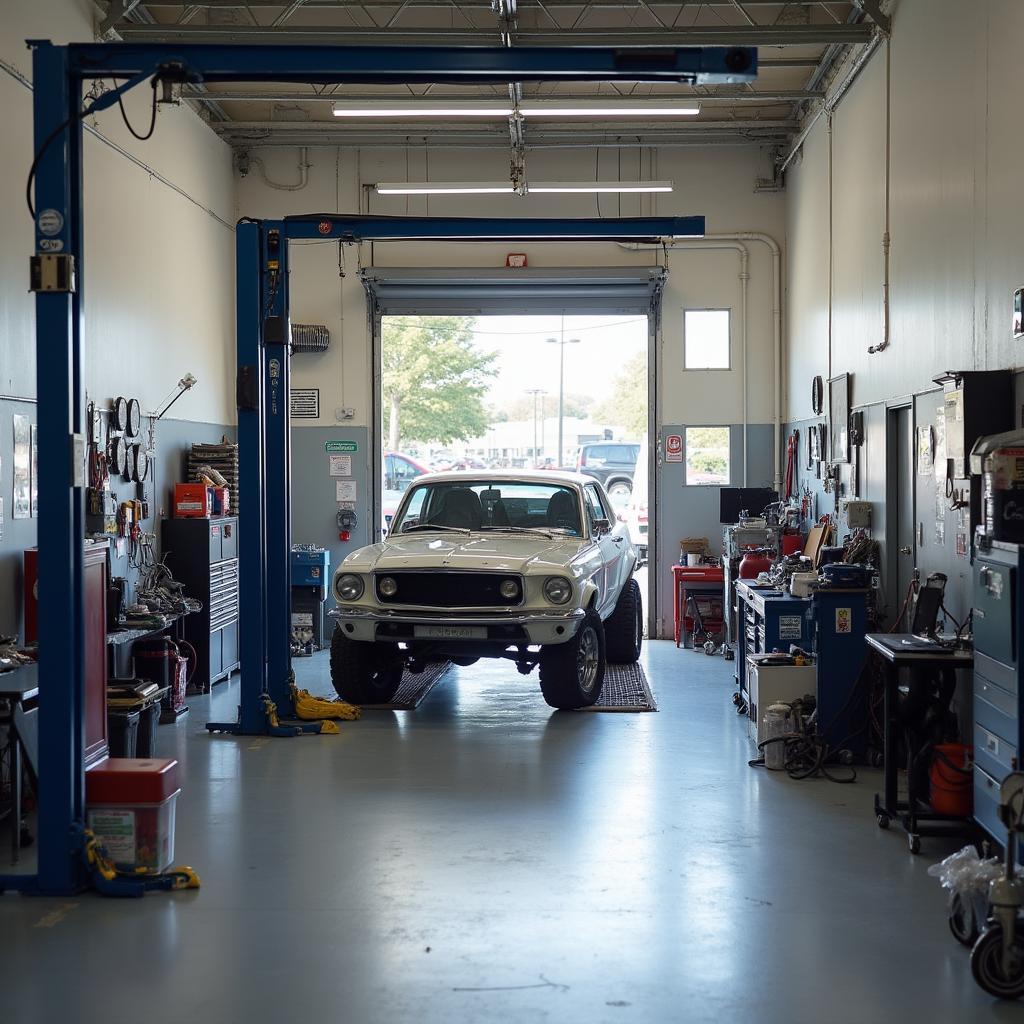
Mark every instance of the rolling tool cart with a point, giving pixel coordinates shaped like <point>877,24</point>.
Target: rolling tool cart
<point>310,572</point>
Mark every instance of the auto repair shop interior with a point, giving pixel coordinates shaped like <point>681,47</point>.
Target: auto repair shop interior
<point>514,511</point>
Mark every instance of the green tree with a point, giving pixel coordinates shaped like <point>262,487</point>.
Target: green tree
<point>434,379</point>
<point>626,406</point>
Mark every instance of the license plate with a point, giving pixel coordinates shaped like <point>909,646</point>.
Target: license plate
<point>450,632</point>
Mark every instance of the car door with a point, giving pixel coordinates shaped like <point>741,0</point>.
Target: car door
<point>610,546</point>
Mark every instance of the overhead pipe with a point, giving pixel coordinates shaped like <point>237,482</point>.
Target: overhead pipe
<point>886,311</point>
<point>734,241</point>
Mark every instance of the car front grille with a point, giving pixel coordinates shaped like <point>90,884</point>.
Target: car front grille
<point>450,589</point>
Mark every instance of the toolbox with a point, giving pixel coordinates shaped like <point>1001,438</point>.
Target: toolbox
<point>193,501</point>
<point>130,808</point>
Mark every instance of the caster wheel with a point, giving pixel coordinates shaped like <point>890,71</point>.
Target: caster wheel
<point>883,821</point>
<point>998,976</point>
<point>736,698</point>
<point>961,921</point>
<point>741,709</point>
<point>914,842</point>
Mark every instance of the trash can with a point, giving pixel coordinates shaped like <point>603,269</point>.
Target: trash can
<point>149,719</point>
<point>122,733</point>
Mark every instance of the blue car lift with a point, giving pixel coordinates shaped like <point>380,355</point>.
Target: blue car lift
<point>59,74</point>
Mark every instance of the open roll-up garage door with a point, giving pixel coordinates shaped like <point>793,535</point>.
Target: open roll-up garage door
<point>594,290</point>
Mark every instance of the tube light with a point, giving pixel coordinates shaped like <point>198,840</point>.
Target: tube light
<point>441,109</point>
<point>460,188</point>
<point>367,109</point>
<point>605,109</point>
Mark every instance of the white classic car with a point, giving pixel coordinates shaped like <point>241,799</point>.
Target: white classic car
<point>492,564</point>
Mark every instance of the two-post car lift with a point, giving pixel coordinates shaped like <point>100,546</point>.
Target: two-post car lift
<point>59,74</point>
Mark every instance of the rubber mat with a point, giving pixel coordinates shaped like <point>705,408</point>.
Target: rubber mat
<point>413,688</point>
<point>625,689</point>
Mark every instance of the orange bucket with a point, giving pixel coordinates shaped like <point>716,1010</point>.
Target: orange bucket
<point>951,780</point>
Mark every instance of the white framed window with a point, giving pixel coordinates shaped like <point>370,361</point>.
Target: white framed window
<point>707,456</point>
<point>706,339</point>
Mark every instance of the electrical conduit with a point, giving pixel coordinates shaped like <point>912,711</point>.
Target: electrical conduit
<point>736,242</point>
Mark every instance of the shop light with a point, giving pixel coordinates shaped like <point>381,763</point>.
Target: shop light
<point>466,188</point>
<point>528,108</point>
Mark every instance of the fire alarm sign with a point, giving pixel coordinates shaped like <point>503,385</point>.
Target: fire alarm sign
<point>516,259</point>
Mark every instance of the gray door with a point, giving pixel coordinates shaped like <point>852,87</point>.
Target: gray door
<point>902,498</point>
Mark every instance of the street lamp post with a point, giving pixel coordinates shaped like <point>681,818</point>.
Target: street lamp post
<point>536,392</point>
<point>561,343</point>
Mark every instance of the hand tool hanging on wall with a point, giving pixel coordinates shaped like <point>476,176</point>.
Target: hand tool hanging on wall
<point>791,452</point>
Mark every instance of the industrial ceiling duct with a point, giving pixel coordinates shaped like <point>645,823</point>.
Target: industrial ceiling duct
<point>310,338</point>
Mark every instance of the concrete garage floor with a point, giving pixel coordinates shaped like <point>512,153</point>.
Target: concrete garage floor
<point>486,859</point>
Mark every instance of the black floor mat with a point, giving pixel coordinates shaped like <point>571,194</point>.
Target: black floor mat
<point>625,689</point>
<point>413,688</point>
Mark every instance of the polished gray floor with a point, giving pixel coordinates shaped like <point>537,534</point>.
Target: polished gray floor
<point>485,859</point>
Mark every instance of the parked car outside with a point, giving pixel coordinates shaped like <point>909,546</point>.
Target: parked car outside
<point>611,462</point>
<point>530,566</point>
<point>399,472</point>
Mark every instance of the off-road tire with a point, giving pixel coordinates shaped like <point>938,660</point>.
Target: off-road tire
<point>364,672</point>
<point>624,628</point>
<point>572,673</point>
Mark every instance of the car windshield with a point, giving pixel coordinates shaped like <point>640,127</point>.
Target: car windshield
<point>491,505</point>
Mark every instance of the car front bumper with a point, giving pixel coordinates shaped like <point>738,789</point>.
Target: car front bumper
<point>542,626</point>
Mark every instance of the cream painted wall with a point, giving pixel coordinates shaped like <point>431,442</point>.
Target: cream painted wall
<point>956,215</point>
<point>716,182</point>
<point>158,267</point>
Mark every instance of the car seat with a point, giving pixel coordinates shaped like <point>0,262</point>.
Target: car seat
<point>460,508</point>
<point>563,512</point>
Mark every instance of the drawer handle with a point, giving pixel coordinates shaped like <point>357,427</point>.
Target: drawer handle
<point>991,744</point>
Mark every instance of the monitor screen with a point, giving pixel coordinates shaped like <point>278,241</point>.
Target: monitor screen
<point>734,500</point>
<point>926,611</point>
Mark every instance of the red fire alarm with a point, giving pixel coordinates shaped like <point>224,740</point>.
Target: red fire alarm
<point>516,259</point>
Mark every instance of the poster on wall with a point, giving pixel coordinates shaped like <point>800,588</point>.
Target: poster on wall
<point>34,473</point>
<point>941,467</point>
<point>21,506</point>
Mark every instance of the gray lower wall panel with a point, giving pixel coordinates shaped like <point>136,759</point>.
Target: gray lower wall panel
<point>314,507</point>
<point>694,511</point>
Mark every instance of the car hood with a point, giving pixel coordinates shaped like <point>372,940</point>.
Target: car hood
<point>503,552</point>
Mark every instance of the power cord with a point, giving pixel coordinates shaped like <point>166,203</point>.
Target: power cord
<point>152,116</point>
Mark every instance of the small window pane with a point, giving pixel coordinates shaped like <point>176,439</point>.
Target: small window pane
<point>707,456</point>
<point>706,339</point>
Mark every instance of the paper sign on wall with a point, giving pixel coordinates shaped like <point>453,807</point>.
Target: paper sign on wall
<point>844,620</point>
<point>345,490</point>
<point>341,465</point>
<point>674,448</point>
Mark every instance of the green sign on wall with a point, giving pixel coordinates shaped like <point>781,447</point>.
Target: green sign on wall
<point>341,446</point>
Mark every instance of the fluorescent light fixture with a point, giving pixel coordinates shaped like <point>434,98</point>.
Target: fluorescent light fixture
<point>605,109</point>
<point>443,188</point>
<point>602,186</point>
<point>528,108</point>
<point>465,188</point>
<point>370,109</point>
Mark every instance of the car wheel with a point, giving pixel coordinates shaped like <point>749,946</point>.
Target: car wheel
<point>364,672</point>
<point>572,674</point>
<point>624,630</point>
<point>620,490</point>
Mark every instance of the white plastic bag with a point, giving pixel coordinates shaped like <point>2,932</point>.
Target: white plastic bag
<point>965,874</point>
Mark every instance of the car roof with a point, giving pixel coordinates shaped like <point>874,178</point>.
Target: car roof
<point>542,476</point>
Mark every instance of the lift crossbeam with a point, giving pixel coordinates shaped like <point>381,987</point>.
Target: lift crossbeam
<point>211,63</point>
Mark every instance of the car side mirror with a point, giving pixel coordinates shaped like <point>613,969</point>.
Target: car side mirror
<point>601,527</point>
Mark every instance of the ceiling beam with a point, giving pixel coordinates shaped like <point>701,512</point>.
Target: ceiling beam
<point>781,96</point>
<point>712,35</point>
<point>499,129</point>
<point>554,5</point>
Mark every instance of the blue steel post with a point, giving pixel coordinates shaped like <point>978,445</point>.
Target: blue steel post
<point>277,454</point>
<point>58,382</point>
<point>252,480</point>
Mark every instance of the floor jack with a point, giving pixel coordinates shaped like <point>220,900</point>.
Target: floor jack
<point>997,959</point>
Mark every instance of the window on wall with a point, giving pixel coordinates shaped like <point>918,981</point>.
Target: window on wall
<point>707,456</point>
<point>706,339</point>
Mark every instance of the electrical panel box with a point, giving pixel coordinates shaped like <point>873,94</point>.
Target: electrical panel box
<point>858,514</point>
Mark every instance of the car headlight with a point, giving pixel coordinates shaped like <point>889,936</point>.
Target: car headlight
<point>388,586</point>
<point>509,589</point>
<point>557,589</point>
<point>349,587</point>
